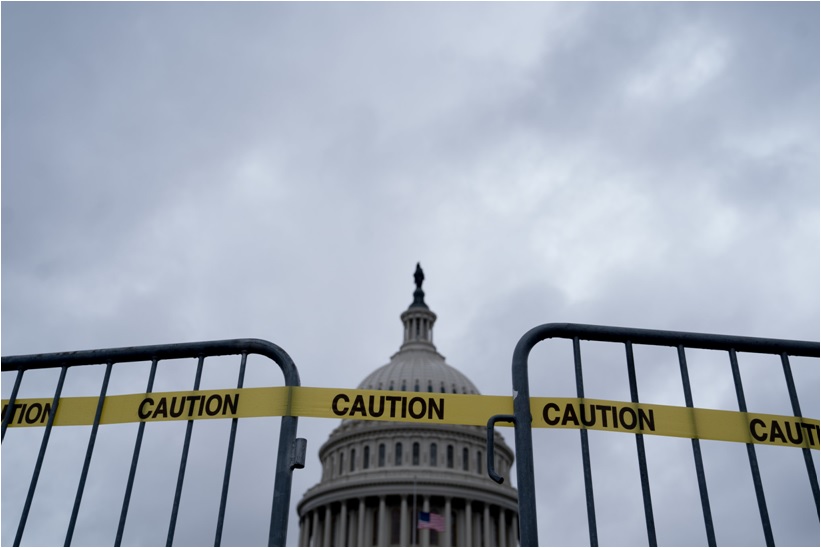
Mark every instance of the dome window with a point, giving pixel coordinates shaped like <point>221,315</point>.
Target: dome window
<point>478,462</point>
<point>404,386</point>
<point>416,386</point>
<point>397,454</point>
<point>430,386</point>
<point>450,456</point>
<point>366,458</point>
<point>416,453</point>
<point>433,456</point>
<point>390,386</point>
<point>353,460</point>
<point>381,455</point>
<point>341,463</point>
<point>465,459</point>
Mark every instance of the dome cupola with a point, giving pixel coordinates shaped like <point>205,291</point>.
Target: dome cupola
<point>417,366</point>
<point>418,319</point>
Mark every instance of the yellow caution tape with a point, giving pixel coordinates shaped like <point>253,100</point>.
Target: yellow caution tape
<point>680,422</point>
<point>423,407</point>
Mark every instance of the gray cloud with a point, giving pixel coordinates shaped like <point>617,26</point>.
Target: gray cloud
<point>177,172</point>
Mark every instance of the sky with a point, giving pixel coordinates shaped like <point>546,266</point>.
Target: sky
<point>176,172</point>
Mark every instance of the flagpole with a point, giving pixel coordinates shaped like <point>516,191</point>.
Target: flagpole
<point>415,516</point>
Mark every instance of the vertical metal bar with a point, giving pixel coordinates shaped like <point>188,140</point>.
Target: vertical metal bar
<point>796,409</point>
<point>229,459</point>
<point>588,472</point>
<point>87,462</point>
<point>702,479</point>
<point>183,462</point>
<point>528,524</point>
<point>645,478</point>
<point>10,409</point>
<point>38,465</point>
<point>759,488</point>
<point>134,458</point>
<point>278,532</point>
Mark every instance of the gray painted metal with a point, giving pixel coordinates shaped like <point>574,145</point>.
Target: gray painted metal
<point>291,451</point>
<point>175,507</point>
<point>134,459</point>
<point>229,459</point>
<point>84,475</point>
<point>785,362</point>
<point>588,469</point>
<point>645,479</point>
<point>759,487</point>
<point>699,462</point>
<point>491,446</point>
<point>528,529</point>
<point>40,455</point>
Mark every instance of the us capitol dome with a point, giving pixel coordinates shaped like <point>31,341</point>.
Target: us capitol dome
<point>411,484</point>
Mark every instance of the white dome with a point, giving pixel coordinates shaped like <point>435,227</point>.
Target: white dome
<point>376,475</point>
<point>416,369</point>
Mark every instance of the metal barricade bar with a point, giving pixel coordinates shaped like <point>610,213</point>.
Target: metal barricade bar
<point>699,462</point>
<point>528,529</point>
<point>289,446</point>
<point>133,470</point>
<point>87,462</point>
<point>229,459</point>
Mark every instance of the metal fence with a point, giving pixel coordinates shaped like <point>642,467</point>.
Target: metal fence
<point>290,454</point>
<point>628,338</point>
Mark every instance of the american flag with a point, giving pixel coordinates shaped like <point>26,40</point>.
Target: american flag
<point>430,520</point>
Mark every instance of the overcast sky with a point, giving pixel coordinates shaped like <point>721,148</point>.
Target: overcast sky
<point>183,172</point>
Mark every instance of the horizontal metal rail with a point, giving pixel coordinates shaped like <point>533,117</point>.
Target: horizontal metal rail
<point>630,336</point>
<point>160,352</point>
<point>290,454</point>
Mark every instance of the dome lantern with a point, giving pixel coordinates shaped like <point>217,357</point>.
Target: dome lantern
<point>418,319</point>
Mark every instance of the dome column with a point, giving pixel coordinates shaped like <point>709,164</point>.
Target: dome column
<point>312,538</point>
<point>448,524</point>
<point>486,520</point>
<point>404,532</point>
<point>503,527</point>
<point>381,540</point>
<point>360,517</point>
<point>342,533</point>
<point>477,530</point>
<point>468,523</point>
<point>304,529</point>
<point>425,532</point>
<point>327,526</point>
<point>350,540</point>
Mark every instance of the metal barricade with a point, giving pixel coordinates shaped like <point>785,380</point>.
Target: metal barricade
<point>628,337</point>
<point>290,454</point>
